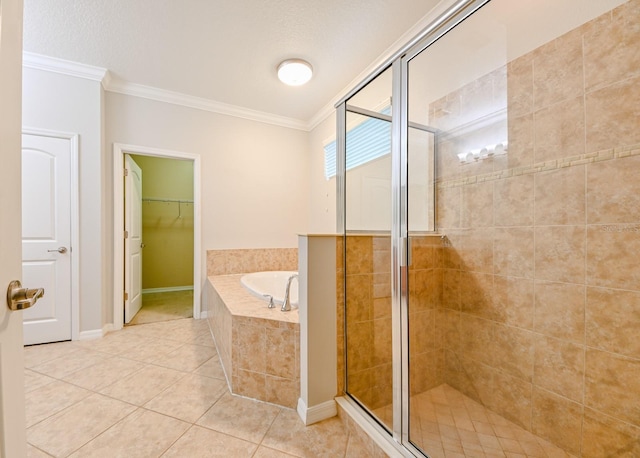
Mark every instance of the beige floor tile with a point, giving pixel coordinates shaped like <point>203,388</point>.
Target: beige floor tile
<point>142,434</point>
<point>239,417</point>
<point>69,363</point>
<point>202,442</point>
<point>68,430</point>
<point>114,343</point>
<point>356,449</point>
<point>103,373</point>
<point>38,354</point>
<point>186,358</point>
<point>324,439</point>
<point>188,398</point>
<point>51,399</point>
<point>153,349</point>
<point>33,452</point>
<point>212,368</point>
<point>165,306</point>
<point>33,380</point>
<point>266,452</point>
<point>143,385</point>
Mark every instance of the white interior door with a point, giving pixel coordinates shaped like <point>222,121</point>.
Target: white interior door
<point>133,239</point>
<point>12,410</point>
<point>46,235</point>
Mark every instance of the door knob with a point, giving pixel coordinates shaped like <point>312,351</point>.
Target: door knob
<point>19,298</point>
<point>61,250</point>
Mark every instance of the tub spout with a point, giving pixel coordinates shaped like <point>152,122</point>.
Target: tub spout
<point>286,303</point>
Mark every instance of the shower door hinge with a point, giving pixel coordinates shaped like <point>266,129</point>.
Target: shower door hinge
<point>126,172</point>
<point>126,235</point>
<point>126,296</point>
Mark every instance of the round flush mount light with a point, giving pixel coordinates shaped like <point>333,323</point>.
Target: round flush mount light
<point>295,72</point>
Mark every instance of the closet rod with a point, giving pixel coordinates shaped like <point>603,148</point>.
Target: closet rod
<point>153,199</point>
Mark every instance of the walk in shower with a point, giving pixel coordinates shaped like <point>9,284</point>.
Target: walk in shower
<point>490,204</point>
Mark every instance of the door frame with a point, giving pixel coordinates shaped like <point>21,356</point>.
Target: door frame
<point>119,150</point>
<point>74,250</point>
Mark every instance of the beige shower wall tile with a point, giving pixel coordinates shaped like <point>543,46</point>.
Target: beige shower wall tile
<point>612,259</point>
<point>613,191</point>
<point>613,320</point>
<point>558,73</point>
<point>382,343</point>
<point>359,255</point>
<point>560,197</point>
<point>359,343</point>
<point>476,339</point>
<point>477,205</point>
<point>512,351</point>
<point>612,385</point>
<point>513,251</point>
<point>605,436</point>
<point>559,310</point>
<point>514,301</point>
<point>448,204</point>
<point>559,367</point>
<point>359,289</point>
<point>513,201</point>
<point>521,132</point>
<point>520,86</point>
<point>476,249</point>
<point>611,47</point>
<point>476,296</point>
<point>557,420</point>
<point>451,289</point>
<point>560,253</point>
<point>612,115</point>
<point>560,130</point>
<point>511,398</point>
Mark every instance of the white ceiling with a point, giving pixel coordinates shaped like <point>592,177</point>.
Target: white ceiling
<point>227,50</point>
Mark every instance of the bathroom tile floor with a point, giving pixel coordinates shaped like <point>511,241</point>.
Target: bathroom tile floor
<point>447,424</point>
<point>156,390</point>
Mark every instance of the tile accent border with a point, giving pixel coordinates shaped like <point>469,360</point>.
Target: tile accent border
<point>570,161</point>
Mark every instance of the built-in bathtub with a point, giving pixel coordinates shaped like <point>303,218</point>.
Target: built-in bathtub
<point>271,284</point>
<point>258,346</point>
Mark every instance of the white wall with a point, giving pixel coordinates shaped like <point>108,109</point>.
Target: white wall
<point>255,176</point>
<point>322,192</point>
<point>63,103</point>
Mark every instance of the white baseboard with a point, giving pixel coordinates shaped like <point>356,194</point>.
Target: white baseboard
<point>311,415</point>
<point>169,289</point>
<point>91,335</point>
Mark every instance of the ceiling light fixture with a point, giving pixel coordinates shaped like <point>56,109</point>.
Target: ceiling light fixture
<point>295,72</point>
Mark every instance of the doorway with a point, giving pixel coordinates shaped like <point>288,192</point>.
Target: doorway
<point>165,274</point>
<point>164,215</point>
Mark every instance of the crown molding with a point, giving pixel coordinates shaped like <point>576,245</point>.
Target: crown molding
<point>65,67</point>
<point>148,92</point>
<point>112,83</point>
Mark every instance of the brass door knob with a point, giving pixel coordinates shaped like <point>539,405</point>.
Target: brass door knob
<point>19,298</point>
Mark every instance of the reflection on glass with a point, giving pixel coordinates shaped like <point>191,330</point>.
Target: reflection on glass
<point>368,249</point>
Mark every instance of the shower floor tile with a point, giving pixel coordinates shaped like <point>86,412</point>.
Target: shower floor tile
<point>446,423</point>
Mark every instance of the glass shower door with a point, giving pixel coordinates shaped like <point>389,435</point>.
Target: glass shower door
<point>367,226</point>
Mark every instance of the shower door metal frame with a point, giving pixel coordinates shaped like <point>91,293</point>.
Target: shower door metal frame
<point>400,125</point>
